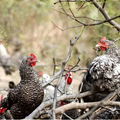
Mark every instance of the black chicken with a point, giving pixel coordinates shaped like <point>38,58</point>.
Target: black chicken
<point>28,94</point>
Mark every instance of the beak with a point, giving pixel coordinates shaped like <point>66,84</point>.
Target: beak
<point>97,46</point>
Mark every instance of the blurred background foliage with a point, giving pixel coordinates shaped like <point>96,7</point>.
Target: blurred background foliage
<point>35,26</point>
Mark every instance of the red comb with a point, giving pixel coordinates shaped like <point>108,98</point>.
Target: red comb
<point>68,77</point>
<point>33,55</point>
<point>103,44</point>
<point>33,59</point>
<point>2,110</point>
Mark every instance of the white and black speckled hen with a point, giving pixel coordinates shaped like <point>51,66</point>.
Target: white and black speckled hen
<point>28,94</point>
<point>103,74</point>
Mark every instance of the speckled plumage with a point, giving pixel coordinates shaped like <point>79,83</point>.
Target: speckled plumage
<point>110,113</point>
<point>73,113</point>
<point>103,74</point>
<point>27,95</point>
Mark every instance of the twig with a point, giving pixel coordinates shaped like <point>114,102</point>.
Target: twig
<point>57,26</point>
<point>54,68</point>
<point>104,4</point>
<point>79,69</point>
<point>74,105</point>
<point>70,8</point>
<point>75,64</point>
<point>82,5</point>
<point>54,103</point>
<point>71,1</point>
<point>67,116</point>
<point>66,1</point>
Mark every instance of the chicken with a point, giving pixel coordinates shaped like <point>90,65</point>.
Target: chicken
<point>28,94</point>
<point>67,88</point>
<point>64,86</point>
<point>49,90</point>
<point>103,75</point>
<point>9,63</point>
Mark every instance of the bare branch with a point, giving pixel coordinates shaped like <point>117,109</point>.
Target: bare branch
<point>81,5</point>
<point>67,116</point>
<point>54,66</point>
<point>54,103</point>
<point>75,105</point>
<point>86,24</point>
<point>72,43</point>
<point>106,15</point>
<point>66,1</point>
<point>103,11</point>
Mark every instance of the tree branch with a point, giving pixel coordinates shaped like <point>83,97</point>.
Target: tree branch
<point>75,105</point>
<point>106,15</point>
<point>102,10</point>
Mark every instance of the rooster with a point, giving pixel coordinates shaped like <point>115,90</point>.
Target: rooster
<point>103,75</point>
<point>28,94</point>
<point>9,63</point>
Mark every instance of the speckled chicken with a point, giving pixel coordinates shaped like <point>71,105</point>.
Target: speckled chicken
<point>28,94</point>
<point>103,74</point>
